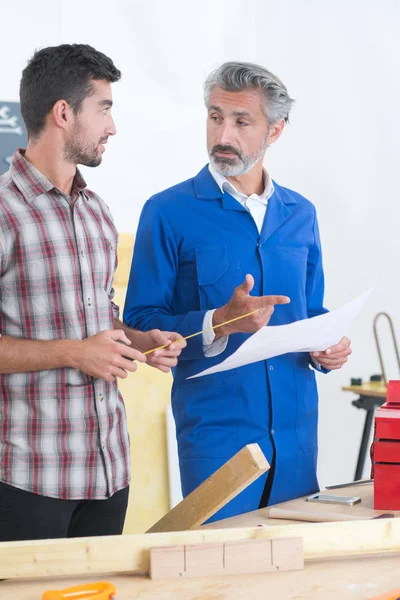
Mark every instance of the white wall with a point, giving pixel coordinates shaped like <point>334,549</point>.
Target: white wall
<point>338,58</point>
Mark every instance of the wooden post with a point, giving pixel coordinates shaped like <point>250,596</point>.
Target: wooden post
<point>216,491</point>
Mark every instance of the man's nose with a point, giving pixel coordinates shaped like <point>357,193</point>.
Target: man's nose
<point>226,137</point>
<point>111,129</point>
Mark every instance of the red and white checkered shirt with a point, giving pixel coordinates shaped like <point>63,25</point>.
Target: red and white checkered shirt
<point>63,433</point>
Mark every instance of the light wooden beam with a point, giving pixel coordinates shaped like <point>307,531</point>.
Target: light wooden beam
<point>216,491</point>
<point>130,553</point>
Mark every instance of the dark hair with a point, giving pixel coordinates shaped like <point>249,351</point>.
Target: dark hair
<point>61,72</point>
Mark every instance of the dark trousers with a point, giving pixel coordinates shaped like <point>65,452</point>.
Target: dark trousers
<point>268,485</point>
<point>27,516</point>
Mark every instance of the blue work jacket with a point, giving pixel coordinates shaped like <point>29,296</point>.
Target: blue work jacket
<point>194,245</point>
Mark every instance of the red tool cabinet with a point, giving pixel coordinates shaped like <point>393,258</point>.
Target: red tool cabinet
<point>386,451</point>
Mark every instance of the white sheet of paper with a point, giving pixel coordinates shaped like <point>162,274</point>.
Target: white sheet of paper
<point>307,335</point>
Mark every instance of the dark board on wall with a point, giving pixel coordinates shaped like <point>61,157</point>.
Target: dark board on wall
<point>12,133</point>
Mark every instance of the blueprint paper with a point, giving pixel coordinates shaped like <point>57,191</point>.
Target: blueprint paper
<point>307,335</point>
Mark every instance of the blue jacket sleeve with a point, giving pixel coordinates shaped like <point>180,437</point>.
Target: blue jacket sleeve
<point>315,285</point>
<point>152,283</point>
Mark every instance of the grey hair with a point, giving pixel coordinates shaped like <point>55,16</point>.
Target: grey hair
<point>238,76</point>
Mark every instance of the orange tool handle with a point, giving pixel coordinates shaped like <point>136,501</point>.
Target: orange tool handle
<point>100,590</point>
<point>393,595</point>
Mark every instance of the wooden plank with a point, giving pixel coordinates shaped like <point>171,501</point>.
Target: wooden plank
<point>167,562</point>
<point>357,579</point>
<point>229,558</point>
<point>365,509</point>
<point>287,554</point>
<point>254,553</point>
<point>316,517</point>
<point>204,559</point>
<point>263,556</point>
<point>216,491</point>
<point>130,553</point>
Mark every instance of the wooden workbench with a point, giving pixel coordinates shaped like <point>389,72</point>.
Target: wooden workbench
<point>364,509</point>
<point>334,579</point>
<point>371,389</point>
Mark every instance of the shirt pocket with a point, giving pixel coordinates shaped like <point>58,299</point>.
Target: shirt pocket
<point>287,269</point>
<point>104,262</point>
<point>217,277</point>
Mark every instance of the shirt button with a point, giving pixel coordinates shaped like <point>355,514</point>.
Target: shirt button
<point>271,368</point>
<point>89,301</point>
<point>82,253</point>
<point>101,397</point>
<point>272,431</point>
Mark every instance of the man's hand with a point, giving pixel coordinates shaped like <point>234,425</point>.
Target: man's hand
<point>167,357</point>
<point>102,355</point>
<point>335,357</point>
<point>160,359</point>
<point>242,303</point>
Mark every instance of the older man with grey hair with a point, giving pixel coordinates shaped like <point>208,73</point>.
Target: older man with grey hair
<point>227,242</point>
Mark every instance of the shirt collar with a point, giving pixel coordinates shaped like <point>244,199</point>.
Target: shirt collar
<point>32,183</point>
<point>225,186</point>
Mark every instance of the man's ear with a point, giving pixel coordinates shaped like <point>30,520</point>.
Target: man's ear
<point>61,114</point>
<point>275,131</point>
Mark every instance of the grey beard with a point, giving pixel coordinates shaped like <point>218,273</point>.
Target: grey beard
<point>229,167</point>
<point>224,166</point>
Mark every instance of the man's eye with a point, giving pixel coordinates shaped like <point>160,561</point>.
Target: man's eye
<point>243,123</point>
<point>216,119</point>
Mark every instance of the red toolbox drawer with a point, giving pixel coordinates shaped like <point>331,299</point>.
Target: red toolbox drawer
<point>387,424</point>
<point>386,451</point>
<point>386,487</point>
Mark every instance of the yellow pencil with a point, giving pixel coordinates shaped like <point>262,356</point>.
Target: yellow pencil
<point>203,331</point>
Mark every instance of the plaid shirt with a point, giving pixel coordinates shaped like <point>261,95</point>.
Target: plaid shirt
<point>63,433</point>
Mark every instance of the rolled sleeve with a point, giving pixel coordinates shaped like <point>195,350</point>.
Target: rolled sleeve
<point>211,346</point>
